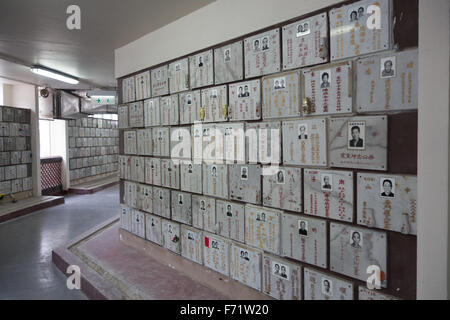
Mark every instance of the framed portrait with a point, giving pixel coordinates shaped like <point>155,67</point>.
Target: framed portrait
<point>388,67</point>
<point>281,175</point>
<point>302,131</point>
<point>326,182</point>
<point>227,55</point>
<point>303,29</point>
<point>265,43</point>
<point>356,239</point>
<point>244,173</point>
<point>387,187</point>
<point>325,79</point>
<point>280,270</point>
<point>356,135</point>
<point>327,287</point>
<point>256,45</point>
<point>303,228</point>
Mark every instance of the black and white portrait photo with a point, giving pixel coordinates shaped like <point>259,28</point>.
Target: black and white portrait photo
<point>178,67</point>
<point>276,269</point>
<point>229,212</point>
<point>246,91</point>
<point>202,205</point>
<point>244,173</point>
<point>279,83</point>
<point>256,45</point>
<point>353,16</point>
<point>302,131</point>
<point>280,270</point>
<point>356,135</point>
<point>180,199</point>
<point>215,245</point>
<point>303,29</point>
<point>189,98</point>
<point>280,177</point>
<point>327,287</point>
<point>214,171</point>
<point>387,67</point>
<point>213,94</point>
<point>265,43</point>
<point>387,187</point>
<point>283,271</point>
<point>200,61</point>
<point>170,228</point>
<point>244,255</point>
<point>325,79</point>
<point>303,228</point>
<point>160,195</point>
<point>361,12</point>
<point>190,168</point>
<point>327,182</point>
<point>158,75</point>
<point>356,240</point>
<point>227,55</point>
<point>190,236</point>
<point>240,92</point>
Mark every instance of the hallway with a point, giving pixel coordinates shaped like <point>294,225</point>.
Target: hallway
<point>26,269</point>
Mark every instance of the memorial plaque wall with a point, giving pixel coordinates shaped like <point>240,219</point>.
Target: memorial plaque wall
<point>291,183</point>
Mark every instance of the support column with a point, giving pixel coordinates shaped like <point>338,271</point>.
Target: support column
<point>433,276</point>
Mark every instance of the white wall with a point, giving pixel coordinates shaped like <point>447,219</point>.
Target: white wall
<point>433,278</point>
<point>218,22</point>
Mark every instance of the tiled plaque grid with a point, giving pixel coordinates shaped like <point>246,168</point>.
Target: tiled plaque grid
<point>15,151</point>
<point>370,234</point>
<point>93,147</point>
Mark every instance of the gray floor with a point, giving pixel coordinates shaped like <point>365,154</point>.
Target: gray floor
<point>26,244</point>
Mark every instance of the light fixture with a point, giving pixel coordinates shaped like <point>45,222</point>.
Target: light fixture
<point>54,75</point>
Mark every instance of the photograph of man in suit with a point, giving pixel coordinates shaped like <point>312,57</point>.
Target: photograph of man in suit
<point>387,189</point>
<point>325,80</point>
<point>246,93</point>
<point>326,182</point>
<point>265,43</point>
<point>356,141</point>
<point>283,272</point>
<point>303,231</point>
<point>229,214</point>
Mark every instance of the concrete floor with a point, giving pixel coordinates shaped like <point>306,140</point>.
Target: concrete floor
<point>26,244</point>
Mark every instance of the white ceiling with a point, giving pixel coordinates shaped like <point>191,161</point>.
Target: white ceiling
<point>35,33</point>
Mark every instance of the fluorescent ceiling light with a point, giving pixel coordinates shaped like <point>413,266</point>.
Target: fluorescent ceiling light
<point>54,75</point>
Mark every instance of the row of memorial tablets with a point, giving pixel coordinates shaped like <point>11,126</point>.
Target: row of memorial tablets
<point>384,82</point>
<point>92,171</point>
<point>92,142</point>
<point>304,43</point>
<point>15,157</point>
<point>14,186</point>
<point>93,123</point>
<point>304,238</point>
<point>15,143</point>
<point>9,114</point>
<point>82,132</point>
<point>346,142</point>
<point>93,151</point>
<point>273,275</point>
<point>385,201</point>
<point>92,161</point>
<point>8,129</point>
